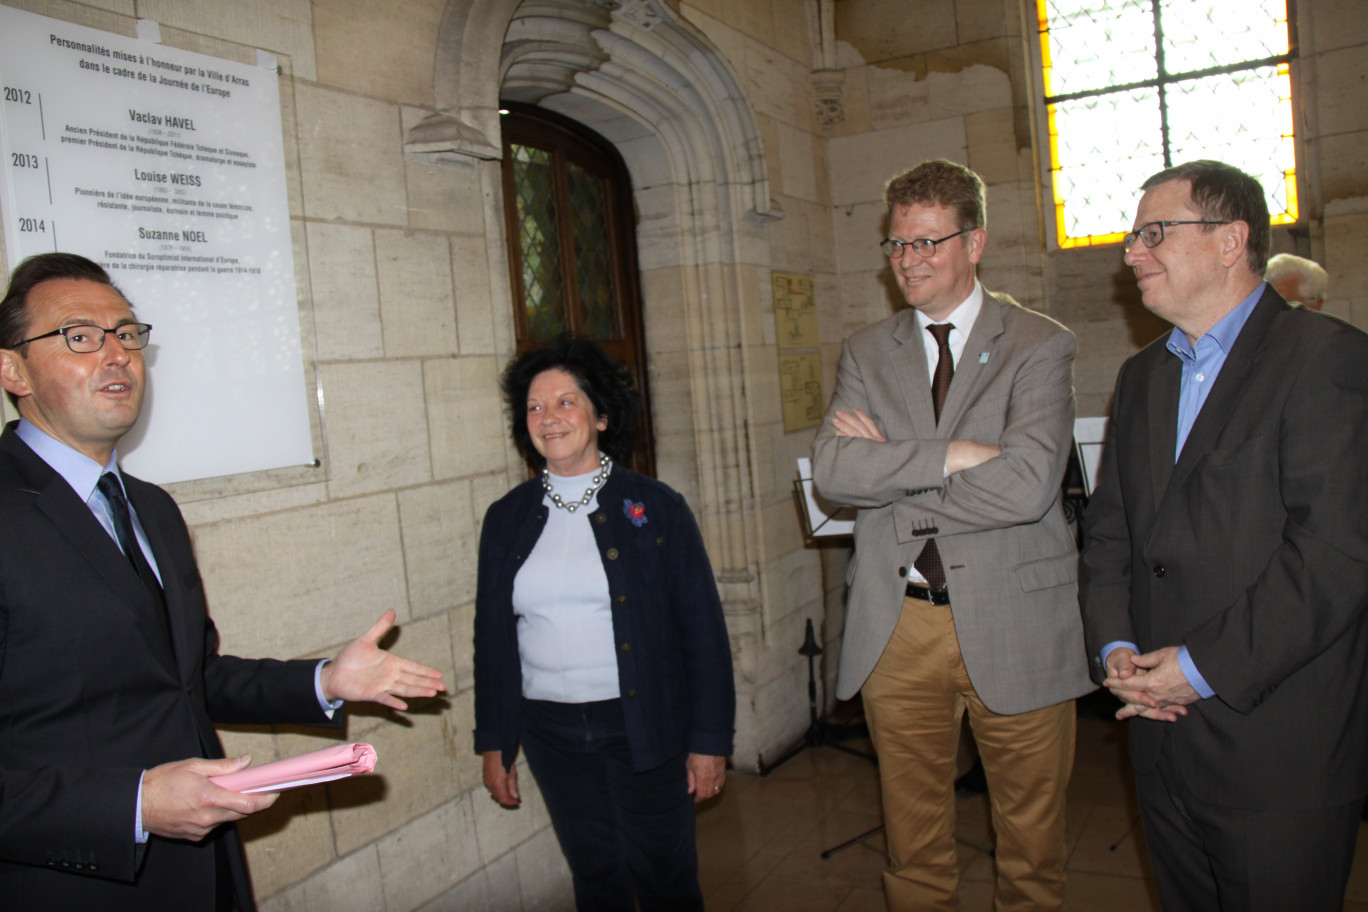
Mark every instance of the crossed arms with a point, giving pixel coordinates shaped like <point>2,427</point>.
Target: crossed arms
<point>965,485</point>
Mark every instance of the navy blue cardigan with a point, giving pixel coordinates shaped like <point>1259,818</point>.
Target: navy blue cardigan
<point>673,652</point>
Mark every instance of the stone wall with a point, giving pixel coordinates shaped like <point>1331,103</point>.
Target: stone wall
<point>1334,122</point>
<point>405,310</point>
<point>769,46</point>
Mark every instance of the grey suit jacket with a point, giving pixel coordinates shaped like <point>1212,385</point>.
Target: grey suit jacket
<point>1253,551</point>
<point>1011,562</point>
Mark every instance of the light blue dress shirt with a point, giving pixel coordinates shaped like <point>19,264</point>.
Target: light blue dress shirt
<point>1202,363</point>
<point>83,474</point>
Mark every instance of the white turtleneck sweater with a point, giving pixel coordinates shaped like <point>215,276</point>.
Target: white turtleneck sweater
<point>560,598</point>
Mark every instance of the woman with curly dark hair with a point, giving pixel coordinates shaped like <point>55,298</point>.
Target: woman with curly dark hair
<point>600,645</point>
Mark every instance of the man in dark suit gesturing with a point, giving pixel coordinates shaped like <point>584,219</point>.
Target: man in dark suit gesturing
<point>110,676</point>
<point>1225,570</point>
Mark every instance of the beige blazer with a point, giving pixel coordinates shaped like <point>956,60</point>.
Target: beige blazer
<point>1010,559</point>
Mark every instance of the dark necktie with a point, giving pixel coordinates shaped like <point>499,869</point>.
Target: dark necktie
<point>928,563</point>
<point>123,529</point>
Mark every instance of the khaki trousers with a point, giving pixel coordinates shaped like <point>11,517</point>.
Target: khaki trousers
<point>914,701</point>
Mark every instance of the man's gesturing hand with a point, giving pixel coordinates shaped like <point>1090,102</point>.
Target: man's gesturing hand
<point>364,671</point>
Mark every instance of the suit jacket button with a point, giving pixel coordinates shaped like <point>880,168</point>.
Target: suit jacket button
<point>631,691</point>
<point>612,553</point>
<point>600,517</point>
<point>621,599</point>
<point>902,571</point>
<point>1159,571</point>
<point>626,647</point>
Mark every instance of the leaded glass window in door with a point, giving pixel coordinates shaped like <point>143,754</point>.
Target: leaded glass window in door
<point>572,245</point>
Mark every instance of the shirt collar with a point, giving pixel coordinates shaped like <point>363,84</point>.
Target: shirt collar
<point>79,470</point>
<point>963,316</point>
<point>1224,333</point>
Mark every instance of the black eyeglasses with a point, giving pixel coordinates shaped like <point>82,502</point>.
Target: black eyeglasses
<point>1152,233</point>
<point>85,338</point>
<point>924,246</point>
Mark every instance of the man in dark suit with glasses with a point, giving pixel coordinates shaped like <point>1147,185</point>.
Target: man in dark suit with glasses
<point>110,675</point>
<point>1224,578</point>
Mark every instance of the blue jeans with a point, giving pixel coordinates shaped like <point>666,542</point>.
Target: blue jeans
<point>628,837</point>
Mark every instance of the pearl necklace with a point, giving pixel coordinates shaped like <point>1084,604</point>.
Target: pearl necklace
<point>605,466</point>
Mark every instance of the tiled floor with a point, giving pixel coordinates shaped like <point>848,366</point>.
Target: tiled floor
<point>760,844</point>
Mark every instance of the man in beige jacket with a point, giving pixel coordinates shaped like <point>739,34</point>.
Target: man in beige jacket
<point>952,443</point>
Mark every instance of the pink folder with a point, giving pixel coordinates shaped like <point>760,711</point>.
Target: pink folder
<point>317,766</point>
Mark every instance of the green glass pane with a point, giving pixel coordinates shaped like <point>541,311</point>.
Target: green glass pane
<point>1107,146</point>
<point>1099,43</point>
<point>593,263</point>
<point>1243,119</point>
<point>1199,34</point>
<point>543,288</point>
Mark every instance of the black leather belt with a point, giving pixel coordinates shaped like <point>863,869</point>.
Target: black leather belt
<point>927,594</point>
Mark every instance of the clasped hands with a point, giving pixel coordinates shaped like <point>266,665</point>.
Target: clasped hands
<point>1151,685</point>
<point>179,801</point>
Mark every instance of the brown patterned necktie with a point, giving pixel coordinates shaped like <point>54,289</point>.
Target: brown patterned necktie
<point>928,563</point>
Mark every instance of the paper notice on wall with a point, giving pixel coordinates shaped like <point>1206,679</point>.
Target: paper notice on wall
<point>800,389</point>
<point>795,311</point>
<point>167,168</point>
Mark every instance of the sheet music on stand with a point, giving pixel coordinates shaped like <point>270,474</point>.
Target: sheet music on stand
<point>1089,435</point>
<point>821,519</point>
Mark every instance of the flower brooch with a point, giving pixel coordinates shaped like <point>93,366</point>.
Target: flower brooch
<point>636,512</point>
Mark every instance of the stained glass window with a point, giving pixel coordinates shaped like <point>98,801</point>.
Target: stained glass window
<point>544,269</point>
<point>1136,86</point>
<point>534,191</point>
<point>593,266</point>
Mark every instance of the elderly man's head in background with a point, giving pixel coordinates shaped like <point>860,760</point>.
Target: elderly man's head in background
<point>1297,279</point>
